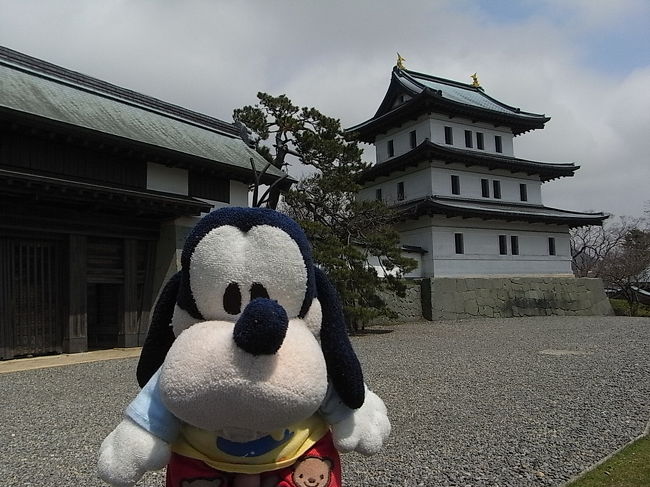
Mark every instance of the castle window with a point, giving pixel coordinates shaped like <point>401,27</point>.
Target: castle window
<point>468,138</point>
<point>551,245</point>
<point>485,188</point>
<point>503,245</point>
<point>498,146</point>
<point>391,148</point>
<point>400,191</point>
<point>413,139</point>
<point>458,243</point>
<point>514,244</point>
<point>449,136</point>
<point>378,194</point>
<point>479,141</point>
<point>496,189</point>
<point>523,192</point>
<point>455,184</point>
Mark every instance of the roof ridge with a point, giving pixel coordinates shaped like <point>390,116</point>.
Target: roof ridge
<point>415,74</point>
<point>79,80</point>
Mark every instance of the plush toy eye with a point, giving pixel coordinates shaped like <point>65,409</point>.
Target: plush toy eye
<point>232,299</point>
<point>258,291</point>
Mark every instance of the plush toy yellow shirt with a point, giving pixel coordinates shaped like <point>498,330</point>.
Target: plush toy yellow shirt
<point>278,450</point>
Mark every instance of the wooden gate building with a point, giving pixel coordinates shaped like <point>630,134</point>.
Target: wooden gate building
<point>98,187</point>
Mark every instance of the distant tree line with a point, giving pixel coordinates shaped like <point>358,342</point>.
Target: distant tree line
<point>618,253</point>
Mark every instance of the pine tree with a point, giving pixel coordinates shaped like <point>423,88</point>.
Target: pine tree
<point>345,232</point>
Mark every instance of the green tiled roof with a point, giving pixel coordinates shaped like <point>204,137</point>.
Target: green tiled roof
<point>461,93</point>
<point>429,94</point>
<point>37,88</point>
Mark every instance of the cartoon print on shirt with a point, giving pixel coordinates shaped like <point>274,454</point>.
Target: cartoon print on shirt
<point>312,472</point>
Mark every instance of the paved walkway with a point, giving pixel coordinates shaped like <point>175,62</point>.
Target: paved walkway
<point>516,402</point>
<point>32,363</point>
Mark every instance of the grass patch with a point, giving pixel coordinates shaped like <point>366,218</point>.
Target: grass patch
<point>622,308</point>
<point>628,468</point>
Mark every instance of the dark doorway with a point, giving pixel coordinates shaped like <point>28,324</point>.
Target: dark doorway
<point>104,312</point>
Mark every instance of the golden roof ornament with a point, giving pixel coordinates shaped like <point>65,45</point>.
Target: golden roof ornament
<point>400,61</point>
<point>475,82</point>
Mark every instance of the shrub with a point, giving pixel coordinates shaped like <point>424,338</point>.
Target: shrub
<point>622,308</point>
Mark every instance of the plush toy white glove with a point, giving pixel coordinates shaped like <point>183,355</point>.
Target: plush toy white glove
<point>363,430</point>
<point>128,452</point>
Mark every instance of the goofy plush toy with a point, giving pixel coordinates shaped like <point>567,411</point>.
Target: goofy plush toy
<point>249,378</point>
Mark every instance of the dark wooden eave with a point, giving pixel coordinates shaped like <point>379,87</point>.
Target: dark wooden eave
<point>488,210</point>
<point>429,151</point>
<point>18,187</point>
<point>73,134</point>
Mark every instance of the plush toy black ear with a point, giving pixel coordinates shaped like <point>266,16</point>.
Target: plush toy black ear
<point>343,367</point>
<point>161,335</point>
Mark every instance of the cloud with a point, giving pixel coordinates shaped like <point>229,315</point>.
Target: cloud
<point>596,13</point>
<point>337,56</point>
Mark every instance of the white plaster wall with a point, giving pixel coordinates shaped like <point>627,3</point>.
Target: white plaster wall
<point>238,193</point>
<point>373,261</point>
<point>481,245</point>
<point>419,236</point>
<point>435,179</point>
<point>401,138</point>
<point>167,179</point>
<point>470,183</point>
<point>238,197</point>
<point>438,123</point>
<point>417,184</point>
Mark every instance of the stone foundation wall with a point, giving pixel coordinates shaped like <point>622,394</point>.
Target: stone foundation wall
<point>499,297</point>
<point>502,297</point>
<point>408,308</point>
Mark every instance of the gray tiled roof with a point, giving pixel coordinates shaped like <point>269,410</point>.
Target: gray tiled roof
<point>33,87</point>
<point>499,210</point>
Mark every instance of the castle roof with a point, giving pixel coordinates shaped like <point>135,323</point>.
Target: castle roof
<point>42,92</point>
<point>488,210</point>
<point>433,94</point>
<point>429,151</point>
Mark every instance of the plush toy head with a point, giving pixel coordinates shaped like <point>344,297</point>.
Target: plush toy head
<point>249,333</point>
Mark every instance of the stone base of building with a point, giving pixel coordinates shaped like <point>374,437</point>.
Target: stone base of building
<point>501,297</point>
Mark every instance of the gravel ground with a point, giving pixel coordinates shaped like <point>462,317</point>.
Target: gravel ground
<point>516,402</point>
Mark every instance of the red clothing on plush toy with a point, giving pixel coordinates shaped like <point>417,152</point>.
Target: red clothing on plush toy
<point>317,467</point>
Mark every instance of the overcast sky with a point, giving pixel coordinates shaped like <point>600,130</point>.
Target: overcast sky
<point>586,63</point>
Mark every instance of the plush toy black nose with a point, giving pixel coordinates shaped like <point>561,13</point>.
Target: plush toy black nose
<point>261,328</point>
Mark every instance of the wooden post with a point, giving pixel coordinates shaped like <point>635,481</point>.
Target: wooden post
<point>147,292</point>
<point>128,332</point>
<point>6,326</point>
<point>75,334</point>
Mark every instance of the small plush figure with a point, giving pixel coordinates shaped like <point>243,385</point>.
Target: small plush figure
<point>249,378</point>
